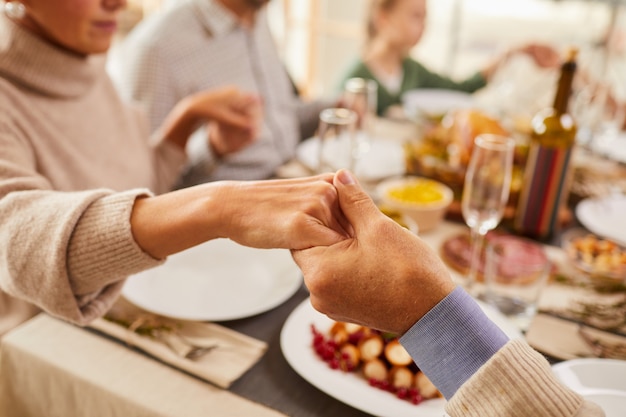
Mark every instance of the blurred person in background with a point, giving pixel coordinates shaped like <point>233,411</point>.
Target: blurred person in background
<point>387,278</point>
<point>80,174</point>
<point>394,28</point>
<point>198,44</point>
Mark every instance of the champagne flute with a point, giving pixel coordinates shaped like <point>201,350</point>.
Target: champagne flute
<point>486,192</point>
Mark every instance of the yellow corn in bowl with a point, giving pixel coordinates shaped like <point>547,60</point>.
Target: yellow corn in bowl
<point>423,200</point>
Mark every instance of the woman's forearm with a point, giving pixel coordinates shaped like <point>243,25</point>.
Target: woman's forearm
<point>291,214</point>
<point>172,222</point>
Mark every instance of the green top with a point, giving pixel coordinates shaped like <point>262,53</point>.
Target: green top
<point>415,76</point>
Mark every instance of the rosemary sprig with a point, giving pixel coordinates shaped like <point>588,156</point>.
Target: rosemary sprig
<point>143,325</point>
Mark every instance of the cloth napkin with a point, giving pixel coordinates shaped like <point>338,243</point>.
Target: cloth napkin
<point>580,316</point>
<point>230,356</point>
<point>562,339</point>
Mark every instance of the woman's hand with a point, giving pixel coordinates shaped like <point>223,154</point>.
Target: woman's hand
<point>544,56</point>
<point>383,276</point>
<point>293,214</point>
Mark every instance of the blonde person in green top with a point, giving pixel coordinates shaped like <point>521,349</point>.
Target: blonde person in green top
<point>394,27</point>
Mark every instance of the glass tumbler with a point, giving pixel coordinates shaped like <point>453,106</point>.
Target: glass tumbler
<point>516,271</point>
<point>337,140</point>
<point>361,96</point>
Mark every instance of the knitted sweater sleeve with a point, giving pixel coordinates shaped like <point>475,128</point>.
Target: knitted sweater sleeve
<point>517,381</point>
<point>169,160</point>
<point>66,252</point>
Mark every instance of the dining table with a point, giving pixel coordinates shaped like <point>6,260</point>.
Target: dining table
<point>54,368</point>
<point>49,363</point>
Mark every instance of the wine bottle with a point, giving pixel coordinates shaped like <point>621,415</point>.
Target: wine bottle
<point>547,174</point>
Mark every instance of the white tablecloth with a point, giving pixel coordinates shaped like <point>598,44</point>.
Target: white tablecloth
<point>54,369</point>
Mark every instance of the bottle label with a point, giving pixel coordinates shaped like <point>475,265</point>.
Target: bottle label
<point>545,186</point>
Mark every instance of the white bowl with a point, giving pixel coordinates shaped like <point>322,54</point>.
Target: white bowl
<point>427,214</point>
<point>599,380</point>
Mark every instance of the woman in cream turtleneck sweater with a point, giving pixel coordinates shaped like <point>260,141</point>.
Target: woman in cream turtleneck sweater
<point>78,172</point>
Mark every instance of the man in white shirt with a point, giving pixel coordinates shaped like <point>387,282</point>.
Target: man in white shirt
<point>202,44</point>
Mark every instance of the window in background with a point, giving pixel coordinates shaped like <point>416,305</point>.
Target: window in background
<point>319,39</point>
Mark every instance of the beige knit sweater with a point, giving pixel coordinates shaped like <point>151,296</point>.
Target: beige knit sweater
<point>518,382</point>
<point>73,158</point>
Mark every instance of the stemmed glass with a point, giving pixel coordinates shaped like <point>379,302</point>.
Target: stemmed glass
<point>486,192</point>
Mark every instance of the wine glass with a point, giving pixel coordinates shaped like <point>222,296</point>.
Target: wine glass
<point>336,133</point>
<point>486,192</point>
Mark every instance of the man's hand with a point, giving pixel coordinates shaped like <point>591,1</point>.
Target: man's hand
<point>383,276</point>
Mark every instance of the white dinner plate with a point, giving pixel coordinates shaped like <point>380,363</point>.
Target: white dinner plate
<point>296,343</point>
<point>384,158</point>
<point>604,216</point>
<point>613,147</point>
<point>434,102</point>
<point>602,381</point>
<point>218,280</point>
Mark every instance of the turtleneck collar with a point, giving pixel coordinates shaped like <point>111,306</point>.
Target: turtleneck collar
<point>29,61</point>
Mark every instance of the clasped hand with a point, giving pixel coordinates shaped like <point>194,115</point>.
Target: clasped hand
<point>234,117</point>
<point>381,275</point>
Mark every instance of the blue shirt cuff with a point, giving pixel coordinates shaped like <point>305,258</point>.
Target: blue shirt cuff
<point>452,341</point>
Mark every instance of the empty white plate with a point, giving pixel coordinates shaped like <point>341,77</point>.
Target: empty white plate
<point>382,159</point>
<point>613,147</point>
<point>604,216</point>
<point>218,280</point>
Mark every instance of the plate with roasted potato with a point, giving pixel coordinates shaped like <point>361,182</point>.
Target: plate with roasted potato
<point>596,256</point>
<point>362,367</point>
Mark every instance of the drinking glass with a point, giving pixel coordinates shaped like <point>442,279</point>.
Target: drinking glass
<point>486,192</point>
<point>608,123</point>
<point>336,134</point>
<point>516,272</point>
<point>361,96</point>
